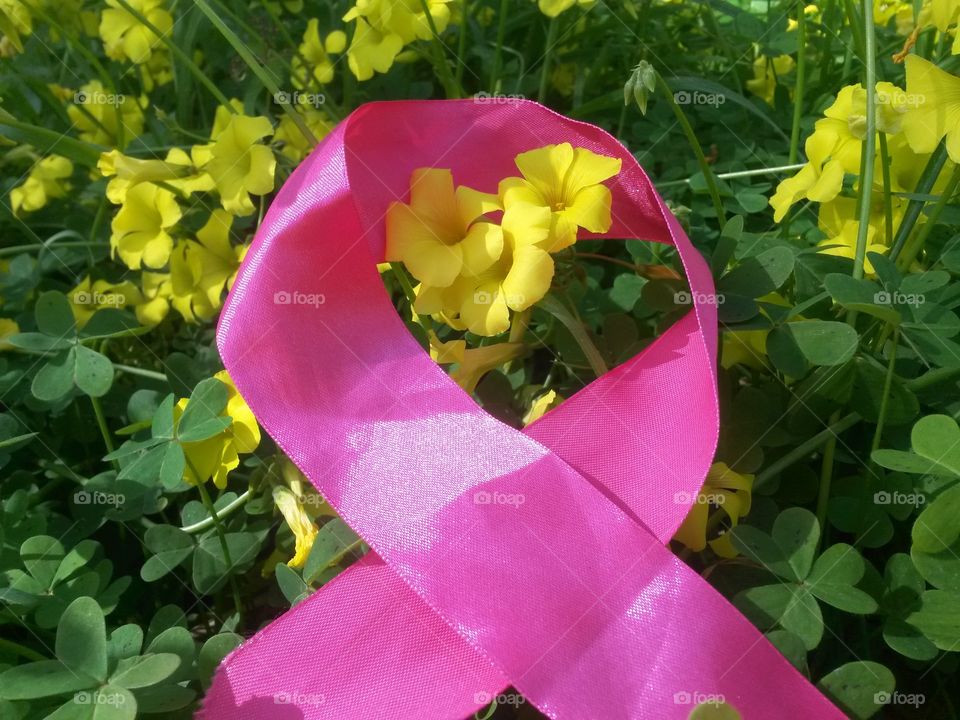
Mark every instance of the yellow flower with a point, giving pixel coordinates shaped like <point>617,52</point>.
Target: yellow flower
<point>568,181</point>
<point>200,270</point>
<point>89,296</point>
<point>541,406</point>
<point>155,291</point>
<point>238,163</point>
<point>214,458</point>
<point>99,114</point>
<point>481,301</point>
<point>125,172</point>
<point>45,181</point>
<point>820,184</point>
<point>383,27</point>
<point>935,112</point>
<point>472,364</point>
<point>313,63</point>
<point>435,236</point>
<point>730,492</point>
<point>139,230</point>
<point>8,327</point>
<point>745,347</point>
<point>125,37</point>
<point>766,72</point>
<point>552,8</point>
<point>15,22</point>
<point>291,141</point>
<point>300,523</point>
<point>844,244</point>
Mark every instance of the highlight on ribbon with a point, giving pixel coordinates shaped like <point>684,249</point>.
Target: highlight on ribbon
<point>517,554</point>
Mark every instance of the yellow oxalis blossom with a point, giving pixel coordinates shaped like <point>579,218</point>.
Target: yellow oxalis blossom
<point>552,8</point>
<point>292,143</point>
<point>844,244</point>
<point>199,271</point>
<point>238,163</point>
<point>473,363</point>
<point>89,296</point>
<point>383,27</point>
<point>46,180</point>
<point>313,64</point>
<point>176,170</point>
<point>481,300</point>
<point>730,492</point>
<point>435,236</point>
<point>541,406</point>
<point>766,72</point>
<point>15,22</point>
<point>8,328</point>
<point>935,114</point>
<point>125,37</point>
<point>215,457</point>
<point>140,229</point>
<point>156,291</point>
<point>99,122</point>
<point>568,181</point>
<point>300,523</point>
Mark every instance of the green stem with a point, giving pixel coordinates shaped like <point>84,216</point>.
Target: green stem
<point>400,272</point>
<point>225,511</point>
<point>462,41</point>
<point>17,249</point>
<point>130,370</point>
<point>927,179</point>
<point>869,141</point>
<point>691,136</point>
<point>449,82</point>
<point>104,430</point>
<point>887,385</point>
<point>498,51</point>
<point>887,201</point>
<point>802,451</point>
<point>194,69</point>
<point>208,504</point>
<point>826,478</point>
<point>21,650</point>
<point>579,332</point>
<point>916,244</point>
<point>547,59</point>
<point>737,174</point>
<point>799,88</point>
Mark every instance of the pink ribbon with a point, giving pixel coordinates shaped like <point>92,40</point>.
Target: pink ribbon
<point>562,585</point>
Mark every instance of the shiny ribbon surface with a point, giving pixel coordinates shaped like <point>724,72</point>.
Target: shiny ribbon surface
<point>535,559</point>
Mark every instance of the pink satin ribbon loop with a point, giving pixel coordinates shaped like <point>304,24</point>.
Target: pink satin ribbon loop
<point>532,558</point>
